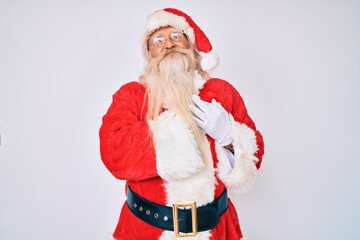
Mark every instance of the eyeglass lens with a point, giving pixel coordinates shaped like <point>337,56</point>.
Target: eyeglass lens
<point>160,39</point>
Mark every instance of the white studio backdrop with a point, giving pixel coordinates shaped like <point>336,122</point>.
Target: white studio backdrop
<point>295,63</point>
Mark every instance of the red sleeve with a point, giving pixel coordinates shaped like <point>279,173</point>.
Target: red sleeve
<point>126,146</point>
<point>241,115</point>
<point>231,100</point>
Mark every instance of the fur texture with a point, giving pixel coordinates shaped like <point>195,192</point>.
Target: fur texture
<point>210,61</point>
<point>242,176</point>
<point>129,153</point>
<point>188,177</point>
<point>198,81</point>
<point>167,235</point>
<point>177,155</point>
<point>162,18</point>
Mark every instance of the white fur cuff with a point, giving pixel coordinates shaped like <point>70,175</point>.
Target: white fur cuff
<point>243,175</point>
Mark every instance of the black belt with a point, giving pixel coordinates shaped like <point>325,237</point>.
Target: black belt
<point>161,216</point>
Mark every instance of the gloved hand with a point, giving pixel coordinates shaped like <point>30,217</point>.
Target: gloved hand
<point>213,119</point>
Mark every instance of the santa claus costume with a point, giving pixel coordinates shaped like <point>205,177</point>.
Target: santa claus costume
<point>166,167</point>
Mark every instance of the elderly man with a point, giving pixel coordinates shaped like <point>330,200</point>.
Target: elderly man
<point>180,139</point>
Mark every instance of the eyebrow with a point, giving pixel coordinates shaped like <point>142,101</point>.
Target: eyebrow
<point>158,35</point>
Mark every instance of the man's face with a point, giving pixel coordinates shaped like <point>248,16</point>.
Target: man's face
<point>166,38</point>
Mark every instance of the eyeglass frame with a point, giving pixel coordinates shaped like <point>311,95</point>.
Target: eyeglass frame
<point>166,37</point>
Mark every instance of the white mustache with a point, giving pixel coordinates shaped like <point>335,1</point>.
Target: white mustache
<point>175,50</point>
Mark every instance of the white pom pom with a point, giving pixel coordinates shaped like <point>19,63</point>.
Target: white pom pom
<point>210,61</point>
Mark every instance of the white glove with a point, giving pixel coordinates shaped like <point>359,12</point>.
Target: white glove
<point>213,119</point>
<point>227,158</point>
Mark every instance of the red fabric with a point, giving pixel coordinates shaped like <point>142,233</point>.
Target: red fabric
<point>202,42</point>
<point>124,133</point>
<point>231,100</point>
<point>128,153</point>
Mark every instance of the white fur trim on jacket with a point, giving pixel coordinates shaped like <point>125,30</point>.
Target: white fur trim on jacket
<point>198,81</point>
<point>187,176</point>
<point>169,235</point>
<point>242,176</point>
<point>177,154</point>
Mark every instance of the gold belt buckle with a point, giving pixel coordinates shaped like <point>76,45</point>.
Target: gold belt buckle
<point>193,217</point>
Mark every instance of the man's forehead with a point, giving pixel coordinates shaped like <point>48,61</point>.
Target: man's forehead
<point>164,29</point>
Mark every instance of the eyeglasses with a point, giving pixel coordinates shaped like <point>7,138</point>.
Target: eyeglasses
<point>160,39</point>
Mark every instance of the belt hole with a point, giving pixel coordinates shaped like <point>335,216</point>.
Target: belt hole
<point>140,209</point>
<point>135,205</point>
<point>166,218</point>
<point>147,212</point>
<point>156,215</point>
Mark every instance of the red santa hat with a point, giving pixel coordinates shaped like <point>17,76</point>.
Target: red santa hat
<point>181,21</point>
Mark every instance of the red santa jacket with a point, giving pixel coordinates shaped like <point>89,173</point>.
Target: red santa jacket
<point>166,167</point>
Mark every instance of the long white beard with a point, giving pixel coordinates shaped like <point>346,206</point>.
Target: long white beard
<point>171,80</point>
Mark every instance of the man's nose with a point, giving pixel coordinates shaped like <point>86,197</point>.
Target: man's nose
<point>169,43</point>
